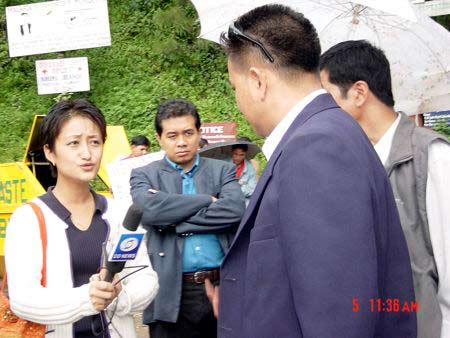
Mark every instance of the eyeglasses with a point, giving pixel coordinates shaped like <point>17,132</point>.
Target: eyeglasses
<point>233,30</point>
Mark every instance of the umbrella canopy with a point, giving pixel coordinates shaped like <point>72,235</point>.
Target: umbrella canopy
<point>223,150</point>
<point>418,48</point>
<point>215,16</point>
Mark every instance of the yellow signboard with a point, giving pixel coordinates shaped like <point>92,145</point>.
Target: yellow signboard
<point>17,186</point>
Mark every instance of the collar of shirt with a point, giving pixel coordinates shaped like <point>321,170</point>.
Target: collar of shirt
<point>383,146</point>
<point>277,134</point>
<point>62,212</point>
<point>188,173</point>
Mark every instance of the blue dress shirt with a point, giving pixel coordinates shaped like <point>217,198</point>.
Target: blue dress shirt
<point>200,251</point>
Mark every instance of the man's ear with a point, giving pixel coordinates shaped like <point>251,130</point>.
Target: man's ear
<point>158,138</point>
<point>360,93</point>
<point>257,82</point>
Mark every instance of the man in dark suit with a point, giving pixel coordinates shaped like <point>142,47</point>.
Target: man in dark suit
<point>320,244</point>
<point>192,207</point>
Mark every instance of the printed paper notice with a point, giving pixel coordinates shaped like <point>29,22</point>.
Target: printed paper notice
<point>62,75</point>
<point>119,173</point>
<point>55,26</point>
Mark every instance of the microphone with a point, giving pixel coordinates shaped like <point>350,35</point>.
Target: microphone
<point>126,243</point>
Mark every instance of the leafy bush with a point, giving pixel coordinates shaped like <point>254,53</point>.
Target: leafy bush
<point>155,55</point>
<point>443,127</point>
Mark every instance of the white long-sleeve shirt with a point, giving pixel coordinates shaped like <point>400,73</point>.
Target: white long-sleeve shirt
<point>438,212</point>
<point>60,304</point>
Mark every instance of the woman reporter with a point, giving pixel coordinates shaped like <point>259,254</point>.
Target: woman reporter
<point>78,222</point>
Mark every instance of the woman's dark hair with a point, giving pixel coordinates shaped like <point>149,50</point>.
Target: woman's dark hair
<point>63,111</point>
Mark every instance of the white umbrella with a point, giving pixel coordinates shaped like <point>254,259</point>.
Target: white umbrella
<point>215,16</point>
<point>417,47</point>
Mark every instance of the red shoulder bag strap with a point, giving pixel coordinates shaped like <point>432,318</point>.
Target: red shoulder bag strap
<point>43,231</point>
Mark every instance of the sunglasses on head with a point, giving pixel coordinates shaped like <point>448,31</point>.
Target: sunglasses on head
<point>234,31</point>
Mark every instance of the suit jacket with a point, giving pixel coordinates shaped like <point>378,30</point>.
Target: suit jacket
<point>319,239</point>
<point>169,215</point>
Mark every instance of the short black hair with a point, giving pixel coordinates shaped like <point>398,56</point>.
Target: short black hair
<point>203,143</point>
<point>63,111</point>
<point>175,108</point>
<point>243,147</point>
<point>289,37</point>
<point>140,140</point>
<point>358,60</point>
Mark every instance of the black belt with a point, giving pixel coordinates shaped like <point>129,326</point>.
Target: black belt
<point>200,276</point>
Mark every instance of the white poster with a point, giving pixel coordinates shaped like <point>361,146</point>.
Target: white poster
<point>55,26</point>
<point>119,173</point>
<point>62,75</point>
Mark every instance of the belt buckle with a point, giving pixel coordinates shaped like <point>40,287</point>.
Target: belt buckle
<point>197,276</point>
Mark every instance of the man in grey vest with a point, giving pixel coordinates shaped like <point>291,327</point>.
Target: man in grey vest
<point>417,160</point>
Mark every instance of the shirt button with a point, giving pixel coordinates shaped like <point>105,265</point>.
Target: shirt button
<point>161,254</point>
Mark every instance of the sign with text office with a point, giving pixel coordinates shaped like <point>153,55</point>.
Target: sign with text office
<point>219,131</point>
<point>55,26</point>
<point>62,75</point>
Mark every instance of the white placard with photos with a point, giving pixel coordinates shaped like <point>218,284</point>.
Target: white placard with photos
<point>55,26</point>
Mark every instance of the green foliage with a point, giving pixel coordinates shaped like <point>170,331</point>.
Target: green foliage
<point>155,55</point>
<point>443,127</point>
<point>98,185</point>
<point>443,20</point>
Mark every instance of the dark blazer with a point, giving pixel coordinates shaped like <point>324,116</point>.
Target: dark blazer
<point>319,239</point>
<point>169,215</point>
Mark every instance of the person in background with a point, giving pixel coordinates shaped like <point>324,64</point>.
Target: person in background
<point>203,143</point>
<point>253,161</point>
<point>139,146</point>
<point>192,206</point>
<point>245,171</point>
<point>321,235</point>
<point>78,222</point>
<point>417,160</point>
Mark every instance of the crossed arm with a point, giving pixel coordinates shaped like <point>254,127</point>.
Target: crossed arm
<point>189,213</point>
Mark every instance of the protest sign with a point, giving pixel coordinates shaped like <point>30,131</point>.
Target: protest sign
<point>62,75</point>
<point>119,173</point>
<point>55,26</point>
